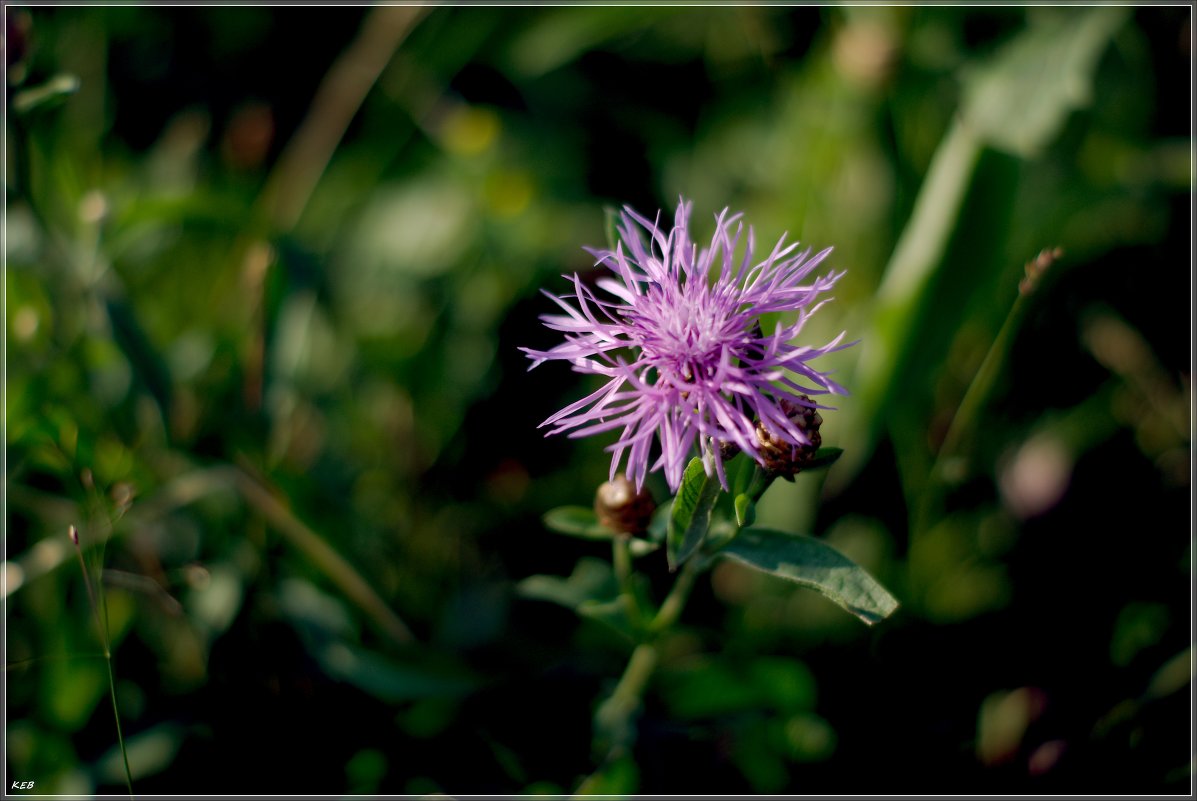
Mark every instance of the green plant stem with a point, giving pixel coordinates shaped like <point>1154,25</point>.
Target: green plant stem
<point>968,412</point>
<point>613,719</point>
<point>979,389</point>
<point>671,608</point>
<point>106,644</point>
<point>120,736</point>
<point>621,558</point>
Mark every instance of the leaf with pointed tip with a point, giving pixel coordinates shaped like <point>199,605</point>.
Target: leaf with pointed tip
<point>812,563</point>
<point>1019,99</point>
<point>691,514</point>
<point>578,521</point>
<point>590,591</point>
<point>591,580</point>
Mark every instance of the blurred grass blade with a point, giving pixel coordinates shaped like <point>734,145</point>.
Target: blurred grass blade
<point>691,514</point>
<point>814,564</point>
<point>56,89</point>
<point>147,364</point>
<point>919,253</point>
<point>331,563</point>
<point>1039,77</point>
<point>1021,98</point>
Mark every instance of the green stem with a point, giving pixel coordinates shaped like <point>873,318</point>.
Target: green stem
<point>622,561</point>
<point>978,390</point>
<point>947,460</point>
<point>613,719</point>
<point>671,608</point>
<point>761,481</point>
<point>120,737</point>
<point>106,643</point>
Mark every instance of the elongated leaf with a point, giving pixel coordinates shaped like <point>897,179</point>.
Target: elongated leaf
<point>1015,101</point>
<point>590,591</point>
<point>148,365</point>
<point>592,580</point>
<point>578,521</point>
<point>691,514</point>
<point>814,564</point>
<point>1020,99</point>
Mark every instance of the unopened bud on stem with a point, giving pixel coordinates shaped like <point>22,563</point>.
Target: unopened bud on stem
<point>621,508</point>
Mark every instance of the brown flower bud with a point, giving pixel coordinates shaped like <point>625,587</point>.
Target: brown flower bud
<point>621,508</point>
<point>780,456</point>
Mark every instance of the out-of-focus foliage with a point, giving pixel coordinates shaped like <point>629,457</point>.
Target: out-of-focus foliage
<point>266,273</point>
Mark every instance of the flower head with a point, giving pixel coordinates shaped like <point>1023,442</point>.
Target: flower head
<point>681,343</point>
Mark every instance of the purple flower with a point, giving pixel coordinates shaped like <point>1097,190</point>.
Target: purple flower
<point>681,343</point>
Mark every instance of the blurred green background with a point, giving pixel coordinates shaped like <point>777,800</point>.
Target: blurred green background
<point>267,270</point>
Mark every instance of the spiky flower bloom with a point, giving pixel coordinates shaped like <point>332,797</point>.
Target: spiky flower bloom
<point>681,343</point>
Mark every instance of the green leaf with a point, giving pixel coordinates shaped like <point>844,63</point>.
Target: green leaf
<point>613,613</point>
<point>745,511</point>
<point>578,521</point>
<point>57,88</point>
<point>390,680</point>
<point>591,580</point>
<point>1017,101</point>
<point>812,563</point>
<point>691,514</point>
<point>741,471</point>
<point>824,458</point>
<point>1021,98</point>
<point>590,591</point>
